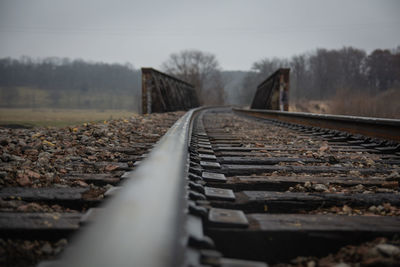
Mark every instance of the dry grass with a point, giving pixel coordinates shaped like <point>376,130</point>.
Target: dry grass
<point>383,105</point>
<point>57,117</point>
<point>310,106</point>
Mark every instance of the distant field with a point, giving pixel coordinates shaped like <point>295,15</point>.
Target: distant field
<point>27,97</point>
<point>57,117</point>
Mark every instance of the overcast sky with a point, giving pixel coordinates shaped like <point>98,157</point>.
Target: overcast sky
<point>238,32</point>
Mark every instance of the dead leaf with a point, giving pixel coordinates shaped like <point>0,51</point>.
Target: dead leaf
<point>111,168</point>
<point>48,143</point>
<point>81,183</point>
<point>324,148</point>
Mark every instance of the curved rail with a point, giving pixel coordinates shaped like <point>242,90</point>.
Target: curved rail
<point>143,225</point>
<point>388,129</point>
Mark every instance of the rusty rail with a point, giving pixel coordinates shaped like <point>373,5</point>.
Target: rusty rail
<point>374,127</point>
<point>273,93</point>
<point>162,93</point>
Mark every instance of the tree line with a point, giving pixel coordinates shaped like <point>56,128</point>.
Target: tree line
<point>60,78</point>
<point>61,82</point>
<point>317,75</point>
<point>321,74</point>
<point>65,74</point>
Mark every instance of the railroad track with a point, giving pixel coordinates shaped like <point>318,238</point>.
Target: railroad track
<point>229,188</point>
<point>51,178</point>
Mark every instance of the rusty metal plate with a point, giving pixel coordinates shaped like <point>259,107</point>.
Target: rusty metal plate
<point>219,193</point>
<point>213,177</point>
<point>210,164</point>
<point>225,217</point>
<point>207,156</point>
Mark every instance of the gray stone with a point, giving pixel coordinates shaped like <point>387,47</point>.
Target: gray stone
<point>47,249</point>
<point>320,187</point>
<point>388,250</point>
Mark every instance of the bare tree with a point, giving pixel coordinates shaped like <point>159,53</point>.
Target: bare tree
<point>299,76</point>
<point>200,69</point>
<point>352,65</point>
<point>381,69</point>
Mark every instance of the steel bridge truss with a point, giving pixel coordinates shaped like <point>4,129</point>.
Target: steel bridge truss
<point>162,93</point>
<point>273,93</point>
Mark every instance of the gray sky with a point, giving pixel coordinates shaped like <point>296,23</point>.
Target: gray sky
<point>238,32</point>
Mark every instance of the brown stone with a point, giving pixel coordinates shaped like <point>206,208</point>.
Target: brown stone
<point>32,174</point>
<point>23,180</point>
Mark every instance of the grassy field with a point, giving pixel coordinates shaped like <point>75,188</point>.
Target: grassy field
<point>27,97</point>
<point>57,117</point>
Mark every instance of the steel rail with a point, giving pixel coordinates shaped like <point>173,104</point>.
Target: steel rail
<point>388,129</point>
<point>143,224</point>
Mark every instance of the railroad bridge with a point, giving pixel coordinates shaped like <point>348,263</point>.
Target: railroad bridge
<point>232,187</point>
